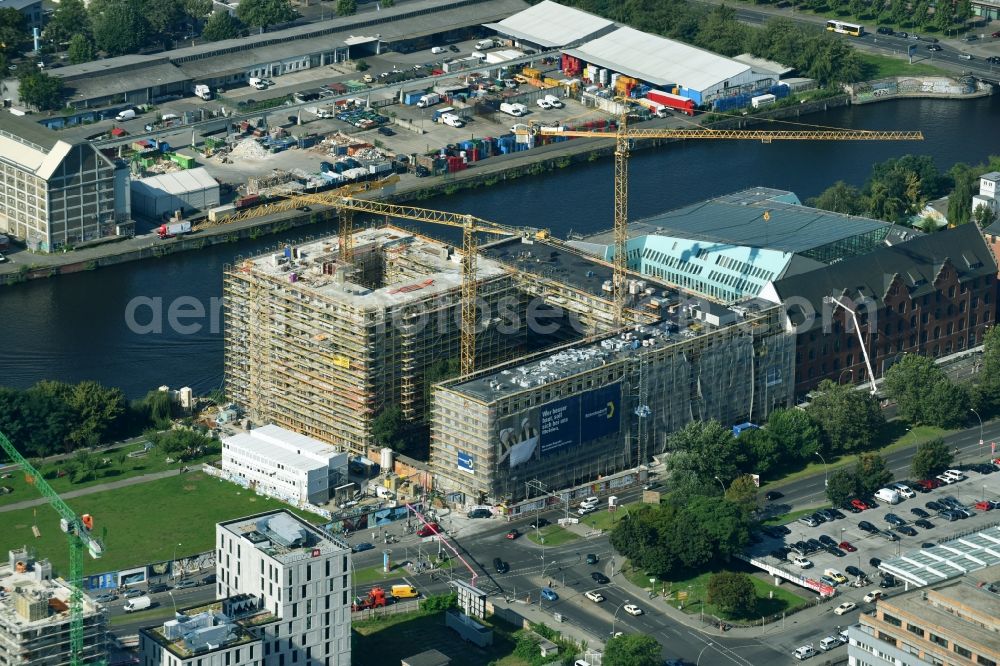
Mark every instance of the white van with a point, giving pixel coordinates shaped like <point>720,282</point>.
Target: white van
<point>888,495</point>
<point>438,49</point>
<point>829,643</point>
<point>483,44</point>
<point>801,562</point>
<point>257,83</point>
<point>127,114</point>
<point>804,652</point>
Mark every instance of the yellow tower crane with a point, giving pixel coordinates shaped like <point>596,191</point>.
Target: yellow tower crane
<point>470,226</point>
<point>623,135</point>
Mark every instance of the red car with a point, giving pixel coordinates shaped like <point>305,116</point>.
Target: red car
<point>846,545</point>
<point>858,504</point>
<point>929,484</point>
<point>513,534</point>
<point>984,506</point>
<point>428,530</point>
<point>995,34</point>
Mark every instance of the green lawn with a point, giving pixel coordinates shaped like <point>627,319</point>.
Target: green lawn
<point>695,587</point>
<point>141,523</point>
<point>790,516</point>
<point>395,637</point>
<point>881,66</point>
<point>554,535</point>
<point>149,463</point>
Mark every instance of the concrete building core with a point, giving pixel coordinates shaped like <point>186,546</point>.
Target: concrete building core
<point>319,346</point>
<point>35,616</point>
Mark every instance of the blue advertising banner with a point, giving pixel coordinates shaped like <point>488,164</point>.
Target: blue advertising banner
<point>600,412</point>
<point>559,424</point>
<point>465,462</point>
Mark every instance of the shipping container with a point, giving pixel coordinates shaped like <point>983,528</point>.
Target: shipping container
<point>682,104</point>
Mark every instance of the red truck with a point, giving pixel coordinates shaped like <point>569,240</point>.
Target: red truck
<point>675,102</point>
<point>376,599</point>
<point>174,229</point>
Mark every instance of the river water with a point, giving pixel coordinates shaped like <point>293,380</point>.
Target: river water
<point>74,327</point>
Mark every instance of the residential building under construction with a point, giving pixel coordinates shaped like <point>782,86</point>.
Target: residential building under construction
<point>592,408</point>
<point>321,346</point>
<point>35,616</point>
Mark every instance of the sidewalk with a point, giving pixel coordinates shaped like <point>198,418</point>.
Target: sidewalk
<point>533,613</point>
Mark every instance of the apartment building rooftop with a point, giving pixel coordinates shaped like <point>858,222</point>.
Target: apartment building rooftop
<point>433,268</point>
<point>208,627</point>
<point>284,536</point>
<point>29,597</point>
<point>284,447</point>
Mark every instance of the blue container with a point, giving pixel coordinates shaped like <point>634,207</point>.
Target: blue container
<point>325,167</point>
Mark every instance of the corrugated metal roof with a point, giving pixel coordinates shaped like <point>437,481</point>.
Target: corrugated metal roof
<point>179,182</point>
<point>658,60</point>
<point>284,447</point>
<point>550,24</point>
<point>763,64</point>
<point>947,560</point>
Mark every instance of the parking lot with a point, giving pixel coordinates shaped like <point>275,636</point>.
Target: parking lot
<point>872,548</point>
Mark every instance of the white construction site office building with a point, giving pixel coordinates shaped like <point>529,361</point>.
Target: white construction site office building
<point>35,616</point>
<point>284,464</point>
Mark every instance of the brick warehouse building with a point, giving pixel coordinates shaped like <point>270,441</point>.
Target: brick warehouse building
<point>933,295</point>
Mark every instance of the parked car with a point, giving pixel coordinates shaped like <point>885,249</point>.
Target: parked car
<point>209,579</point>
<point>867,527</point>
<point>888,536</point>
<point>836,576</point>
<point>156,588</point>
<point>893,519</point>
<point>934,506</point>
<point>858,504</point>
<point>887,581</point>
<point>827,580</point>
<point>903,490</point>
<point>804,652</point>
<point>829,515</point>
<point>846,545</point>
<point>853,509</point>
<point>919,513</point>
<point>632,609</point>
<point>835,513</point>
<point>954,474</point>
<point>543,103</point>
<point>827,541</point>
<point>875,562</point>
<point>809,520</point>
<point>600,578</point>
<point>927,485</point>
<point>874,595</point>
<point>820,518</point>
<point>386,131</point>
<point>133,593</point>
<point>845,607</point>
<point>907,530</point>
<point>854,571</point>
<point>186,584</point>
<point>924,524</point>
<point>454,49</point>
<point>984,505</point>
<point>814,545</point>
<point>106,598</point>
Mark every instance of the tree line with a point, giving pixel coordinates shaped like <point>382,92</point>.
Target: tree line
<point>899,188</point>
<point>57,417</point>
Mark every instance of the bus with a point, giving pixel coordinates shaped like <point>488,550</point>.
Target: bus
<point>842,27</point>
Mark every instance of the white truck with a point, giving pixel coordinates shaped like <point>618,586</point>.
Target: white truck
<point>320,111</point>
<point>430,99</point>
<point>257,83</point>
<point>127,114</point>
<point>203,91</point>
<point>137,604</point>
<point>451,120</point>
<point>484,44</point>
<point>516,110</point>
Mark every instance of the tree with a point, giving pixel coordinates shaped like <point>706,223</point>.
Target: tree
<point>13,32</point>
<point>70,18</point>
<point>931,458</point>
<point>98,409</point>
<point>743,491</point>
<point>872,472</point>
<point>632,650</point>
<point>347,7</point>
<point>841,487</point>
<point>388,3</point>
<point>163,17</point>
<point>390,429</point>
<point>960,199</point>
<point>733,593</point>
<point>197,10</point>
<point>707,450</point>
<point>264,13</point>
<point>119,26</point>
<point>223,25</point>
<point>40,90</point>
<point>984,216</point>
<point>764,450</point>
<point>796,433</point>
<point>848,419</point>
<point>924,394</point>
<point>81,49</point>
<point>840,198</point>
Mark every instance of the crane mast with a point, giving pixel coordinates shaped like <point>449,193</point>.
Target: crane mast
<point>78,535</point>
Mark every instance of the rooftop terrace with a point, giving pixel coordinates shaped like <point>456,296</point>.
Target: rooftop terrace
<point>284,536</point>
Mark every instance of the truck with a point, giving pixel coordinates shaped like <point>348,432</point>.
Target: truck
<point>137,604</point>
<point>657,109</point>
<point>404,592</point>
<point>430,99</point>
<point>320,111</point>
<point>440,112</point>
<point>516,110</point>
<point>451,120</point>
<point>259,84</point>
<point>173,229</point>
<point>203,91</point>
<point>677,102</point>
<point>376,599</point>
<point>484,44</point>
<point>762,100</point>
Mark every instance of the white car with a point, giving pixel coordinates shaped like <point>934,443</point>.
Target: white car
<point>946,480</point>
<point>954,474</point>
<point>804,652</point>
<point>904,490</point>
<point>594,596</point>
<point>632,609</point>
<point>586,508</point>
<point>554,101</point>
<point>845,607</point>
<point>874,596</point>
<point>543,103</point>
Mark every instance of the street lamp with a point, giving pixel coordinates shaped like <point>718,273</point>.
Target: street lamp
<point>850,370</point>
<point>614,618</point>
<point>980,429</point>
<point>826,479</point>
<point>721,484</point>
<point>173,558</point>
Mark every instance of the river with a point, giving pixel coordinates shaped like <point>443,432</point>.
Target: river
<point>74,327</point>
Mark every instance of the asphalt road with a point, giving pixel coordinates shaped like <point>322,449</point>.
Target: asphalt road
<point>810,491</point>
